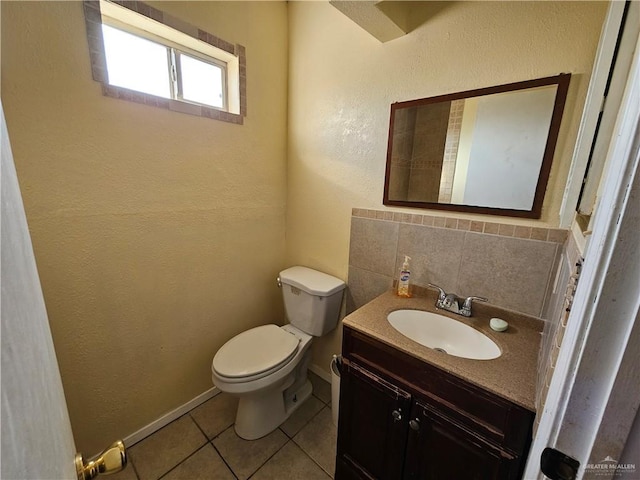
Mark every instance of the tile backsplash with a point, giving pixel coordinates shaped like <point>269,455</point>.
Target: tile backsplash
<point>556,315</point>
<point>511,265</point>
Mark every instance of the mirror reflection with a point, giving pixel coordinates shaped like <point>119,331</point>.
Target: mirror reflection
<point>487,150</point>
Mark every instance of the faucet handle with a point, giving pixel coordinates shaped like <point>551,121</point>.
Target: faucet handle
<point>467,302</point>
<point>443,294</point>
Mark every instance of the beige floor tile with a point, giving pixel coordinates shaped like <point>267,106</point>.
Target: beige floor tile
<point>301,416</point>
<point>321,388</point>
<point>160,452</point>
<point>318,440</point>
<point>127,474</point>
<point>246,456</point>
<point>290,463</point>
<point>216,415</point>
<point>205,464</point>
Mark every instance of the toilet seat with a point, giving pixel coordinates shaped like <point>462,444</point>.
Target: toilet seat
<point>255,353</point>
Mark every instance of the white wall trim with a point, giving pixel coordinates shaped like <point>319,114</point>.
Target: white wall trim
<point>321,372</point>
<point>593,103</point>
<point>167,418</point>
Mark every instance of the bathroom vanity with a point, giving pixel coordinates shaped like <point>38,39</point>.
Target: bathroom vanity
<point>407,411</point>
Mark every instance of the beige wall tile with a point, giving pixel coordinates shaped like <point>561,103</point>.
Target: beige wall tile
<point>539,233</point>
<point>464,224</point>
<point>557,235</point>
<point>427,220</point>
<point>373,245</point>
<point>434,252</point>
<point>364,286</point>
<point>512,273</point>
<point>438,221</point>
<point>492,228</point>
<point>522,232</point>
<point>476,226</point>
<point>506,230</point>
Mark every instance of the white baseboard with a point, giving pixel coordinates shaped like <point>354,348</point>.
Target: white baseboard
<point>169,417</point>
<point>321,372</point>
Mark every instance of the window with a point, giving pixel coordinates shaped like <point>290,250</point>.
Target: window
<point>140,56</point>
<point>142,65</point>
<point>136,63</point>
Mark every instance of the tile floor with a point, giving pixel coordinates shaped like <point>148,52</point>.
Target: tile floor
<point>202,444</point>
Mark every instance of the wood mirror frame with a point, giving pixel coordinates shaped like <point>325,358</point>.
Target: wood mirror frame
<point>562,83</point>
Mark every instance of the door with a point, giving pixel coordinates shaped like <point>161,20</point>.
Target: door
<point>36,434</point>
<point>440,449</point>
<point>372,426</point>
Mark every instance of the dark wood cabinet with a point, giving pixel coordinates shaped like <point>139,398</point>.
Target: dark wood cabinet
<point>439,448</point>
<point>401,418</point>
<point>377,411</point>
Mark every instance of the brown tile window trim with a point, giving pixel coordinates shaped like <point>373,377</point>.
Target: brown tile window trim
<point>93,23</point>
<point>554,235</point>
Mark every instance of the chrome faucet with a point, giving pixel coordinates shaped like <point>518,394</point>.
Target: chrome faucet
<point>451,302</point>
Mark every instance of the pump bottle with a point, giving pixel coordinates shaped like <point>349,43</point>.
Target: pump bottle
<point>403,280</point>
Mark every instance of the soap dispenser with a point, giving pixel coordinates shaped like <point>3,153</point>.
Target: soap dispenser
<point>403,279</point>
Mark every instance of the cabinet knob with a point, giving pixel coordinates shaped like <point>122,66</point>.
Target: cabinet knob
<point>414,424</point>
<point>397,414</point>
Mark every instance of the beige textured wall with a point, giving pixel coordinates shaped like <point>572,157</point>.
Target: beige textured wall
<point>342,82</point>
<point>157,235</point>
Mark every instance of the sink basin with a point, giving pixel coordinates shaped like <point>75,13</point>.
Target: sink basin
<point>444,334</point>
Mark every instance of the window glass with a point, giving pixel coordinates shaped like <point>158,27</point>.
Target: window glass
<point>201,81</point>
<point>136,63</point>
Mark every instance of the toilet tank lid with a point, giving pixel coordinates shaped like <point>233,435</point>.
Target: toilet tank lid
<point>311,281</point>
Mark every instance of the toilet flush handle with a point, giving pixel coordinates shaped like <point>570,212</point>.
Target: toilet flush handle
<point>279,282</point>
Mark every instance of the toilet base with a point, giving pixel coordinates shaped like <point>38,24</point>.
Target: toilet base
<point>260,415</point>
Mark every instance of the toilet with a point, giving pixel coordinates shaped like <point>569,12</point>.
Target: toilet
<point>266,366</point>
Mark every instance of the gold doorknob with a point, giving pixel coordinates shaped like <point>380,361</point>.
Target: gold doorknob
<point>112,460</point>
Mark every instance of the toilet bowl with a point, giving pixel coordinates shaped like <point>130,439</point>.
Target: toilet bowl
<point>266,366</point>
<point>267,397</point>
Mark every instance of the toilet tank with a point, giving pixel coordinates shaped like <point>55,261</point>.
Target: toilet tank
<point>312,299</point>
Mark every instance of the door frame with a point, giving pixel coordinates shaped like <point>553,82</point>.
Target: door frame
<point>596,377</point>
<point>591,112</point>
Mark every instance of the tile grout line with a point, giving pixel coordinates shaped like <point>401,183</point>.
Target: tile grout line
<point>196,450</point>
<point>135,471</point>
<point>311,458</point>
<point>302,448</point>
<point>159,430</point>
<point>183,460</point>
<point>210,442</point>
<point>274,454</point>
<point>224,460</point>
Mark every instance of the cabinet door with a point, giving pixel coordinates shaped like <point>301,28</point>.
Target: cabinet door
<point>440,449</point>
<point>372,428</point>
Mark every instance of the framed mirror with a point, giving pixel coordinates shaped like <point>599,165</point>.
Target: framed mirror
<point>487,151</point>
